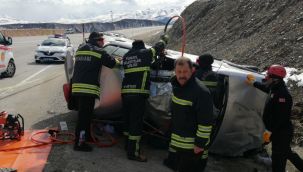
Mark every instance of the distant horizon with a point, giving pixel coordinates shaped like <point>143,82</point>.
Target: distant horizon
<point>42,11</point>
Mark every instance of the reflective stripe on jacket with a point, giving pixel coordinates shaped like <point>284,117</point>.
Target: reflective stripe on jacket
<point>192,115</point>
<point>88,62</point>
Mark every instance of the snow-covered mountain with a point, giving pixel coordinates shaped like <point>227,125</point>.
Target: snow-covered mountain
<point>161,15</point>
<point>9,20</point>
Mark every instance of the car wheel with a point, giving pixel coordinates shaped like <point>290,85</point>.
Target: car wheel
<point>38,61</point>
<point>11,69</point>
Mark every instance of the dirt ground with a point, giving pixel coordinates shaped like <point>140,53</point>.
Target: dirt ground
<point>113,159</point>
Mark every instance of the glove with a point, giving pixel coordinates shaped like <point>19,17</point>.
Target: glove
<point>164,38</point>
<point>266,137</point>
<point>250,79</point>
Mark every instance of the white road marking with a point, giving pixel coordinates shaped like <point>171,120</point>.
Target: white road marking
<point>7,90</point>
<point>32,76</point>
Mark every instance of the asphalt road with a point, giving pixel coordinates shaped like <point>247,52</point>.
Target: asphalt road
<point>35,91</point>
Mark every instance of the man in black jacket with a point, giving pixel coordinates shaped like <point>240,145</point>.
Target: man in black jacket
<point>209,78</point>
<point>276,117</point>
<point>85,85</point>
<point>135,91</point>
<point>192,118</point>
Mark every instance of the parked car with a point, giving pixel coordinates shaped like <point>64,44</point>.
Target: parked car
<point>55,48</point>
<point>69,31</point>
<point>7,61</point>
<point>239,125</point>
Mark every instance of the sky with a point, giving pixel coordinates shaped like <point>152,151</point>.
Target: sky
<point>52,10</point>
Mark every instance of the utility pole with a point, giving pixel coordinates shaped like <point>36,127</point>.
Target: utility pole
<point>112,18</point>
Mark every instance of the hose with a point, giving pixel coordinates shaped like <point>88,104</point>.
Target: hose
<point>183,31</point>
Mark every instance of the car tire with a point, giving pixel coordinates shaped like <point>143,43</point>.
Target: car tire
<point>38,61</point>
<point>11,69</point>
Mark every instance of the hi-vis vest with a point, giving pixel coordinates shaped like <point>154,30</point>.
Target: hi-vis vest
<point>192,115</point>
<point>136,64</point>
<point>89,60</point>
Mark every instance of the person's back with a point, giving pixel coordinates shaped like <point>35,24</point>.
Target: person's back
<point>209,78</point>
<point>85,85</point>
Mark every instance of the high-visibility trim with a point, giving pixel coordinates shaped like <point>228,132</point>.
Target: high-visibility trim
<point>127,90</point>
<point>153,53</point>
<point>87,91</point>
<point>162,41</point>
<point>88,53</point>
<point>202,134</point>
<point>210,83</point>
<point>181,101</point>
<point>130,137</point>
<point>170,149</point>
<point>182,139</point>
<point>204,128</point>
<point>182,145</point>
<point>137,69</point>
<point>88,86</point>
<point>205,154</point>
<point>144,80</point>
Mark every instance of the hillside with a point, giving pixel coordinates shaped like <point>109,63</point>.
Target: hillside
<point>257,32</point>
<point>253,32</point>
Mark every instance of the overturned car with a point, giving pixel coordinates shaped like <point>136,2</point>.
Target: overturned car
<point>239,125</point>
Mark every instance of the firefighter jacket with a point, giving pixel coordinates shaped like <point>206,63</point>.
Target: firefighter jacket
<point>136,64</point>
<point>192,115</point>
<point>277,110</point>
<point>89,60</point>
<point>210,80</point>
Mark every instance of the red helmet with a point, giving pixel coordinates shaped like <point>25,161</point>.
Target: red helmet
<point>276,70</point>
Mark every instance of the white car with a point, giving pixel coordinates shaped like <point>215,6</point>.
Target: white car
<point>54,49</point>
<point>7,61</point>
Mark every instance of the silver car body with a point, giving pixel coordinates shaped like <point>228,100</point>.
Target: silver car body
<point>241,127</point>
<point>54,49</point>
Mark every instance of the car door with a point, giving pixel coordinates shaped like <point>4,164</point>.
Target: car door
<point>2,54</point>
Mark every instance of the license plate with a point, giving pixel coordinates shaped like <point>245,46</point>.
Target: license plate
<point>47,59</point>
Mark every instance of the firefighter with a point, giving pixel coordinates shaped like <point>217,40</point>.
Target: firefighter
<point>192,118</point>
<point>135,91</point>
<point>276,117</point>
<point>85,85</point>
<point>209,78</point>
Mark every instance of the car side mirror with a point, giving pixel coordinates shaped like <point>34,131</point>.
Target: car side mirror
<point>9,41</point>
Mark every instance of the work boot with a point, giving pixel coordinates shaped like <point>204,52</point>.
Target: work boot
<point>139,158</point>
<point>84,147</point>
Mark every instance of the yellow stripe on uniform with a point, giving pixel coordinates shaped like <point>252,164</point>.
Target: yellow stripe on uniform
<point>134,137</point>
<point>210,83</point>
<point>181,101</point>
<point>182,139</point>
<point>126,90</point>
<point>137,69</point>
<point>88,53</point>
<point>204,128</point>
<point>144,80</point>
<point>182,145</point>
<point>88,86</point>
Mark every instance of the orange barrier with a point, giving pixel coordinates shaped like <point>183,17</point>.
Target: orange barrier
<point>30,159</point>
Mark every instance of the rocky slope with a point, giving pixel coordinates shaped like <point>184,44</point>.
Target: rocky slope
<point>259,32</point>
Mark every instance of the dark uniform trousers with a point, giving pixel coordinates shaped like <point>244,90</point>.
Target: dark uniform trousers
<point>85,111</point>
<point>281,151</point>
<point>133,107</point>
<point>191,162</point>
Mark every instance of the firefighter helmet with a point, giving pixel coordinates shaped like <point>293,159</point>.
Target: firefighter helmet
<point>276,70</point>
